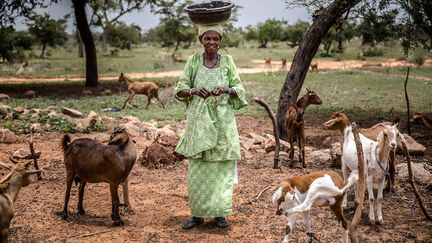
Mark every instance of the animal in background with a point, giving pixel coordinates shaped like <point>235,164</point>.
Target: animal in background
<point>268,65</point>
<point>300,194</point>
<point>314,66</point>
<point>284,65</point>
<point>10,186</point>
<point>146,88</point>
<point>421,118</point>
<point>295,124</point>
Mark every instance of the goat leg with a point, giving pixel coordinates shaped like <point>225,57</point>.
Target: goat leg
<point>124,105</point>
<point>81,198</point>
<point>148,102</point>
<point>126,204</point>
<point>69,182</point>
<point>115,214</point>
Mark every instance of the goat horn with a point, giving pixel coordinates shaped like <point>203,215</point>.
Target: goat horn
<point>341,111</point>
<point>308,89</point>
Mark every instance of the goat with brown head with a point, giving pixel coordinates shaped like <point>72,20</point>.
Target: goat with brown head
<point>10,185</point>
<point>87,160</point>
<point>295,124</point>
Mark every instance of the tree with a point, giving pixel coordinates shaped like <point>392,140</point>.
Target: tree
<point>89,46</point>
<point>417,27</point>
<point>10,10</point>
<point>107,12</point>
<point>123,36</point>
<point>13,43</point>
<point>376,28</point>
<point>293,34</point>
<point>323,21</point>
<point>48,31</point>
<point>251,33</point>
<point>270,30</point>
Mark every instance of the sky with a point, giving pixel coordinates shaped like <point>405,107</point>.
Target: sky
<point>251,13</point>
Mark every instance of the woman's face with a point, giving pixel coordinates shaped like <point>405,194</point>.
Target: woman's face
<point>211,41</point>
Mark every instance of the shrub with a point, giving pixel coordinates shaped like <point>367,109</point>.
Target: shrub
<point>373,52</point>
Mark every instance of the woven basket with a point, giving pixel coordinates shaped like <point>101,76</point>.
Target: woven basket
<point>210,13</point>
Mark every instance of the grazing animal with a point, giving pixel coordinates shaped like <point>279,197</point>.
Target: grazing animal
<point>339,121</point>
<point>284,65</point>
<point>268,65</point>
<point>10,187</point>
<point>421,118</point>
<point>295,124</point>
<point>314,66</point>
<point>146,88</point>
<point>87,160</point>
<point>316,189</point>
<point>377,156</point>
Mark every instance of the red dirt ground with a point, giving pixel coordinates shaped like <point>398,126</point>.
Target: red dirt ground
<point>159,201</point>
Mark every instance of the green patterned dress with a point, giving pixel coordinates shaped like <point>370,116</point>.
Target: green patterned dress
<point>211,140</point>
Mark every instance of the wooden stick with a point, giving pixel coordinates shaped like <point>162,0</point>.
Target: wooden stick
<point>90,234</point>
<point>276,162</point>
<point>353,232</point>
<point>32,151</point>
<point>411,181</point>
<point>407,102</point>
<point>265,189</point>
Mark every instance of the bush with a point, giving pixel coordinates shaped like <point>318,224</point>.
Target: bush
<point>418,58</point>
<point>373,52</point>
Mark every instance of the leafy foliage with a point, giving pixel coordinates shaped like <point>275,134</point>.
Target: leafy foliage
<point>123,36</point>
<point>293,34</point>
<point>48,31</point>
<point>13,43</point>
<point>268,31</point>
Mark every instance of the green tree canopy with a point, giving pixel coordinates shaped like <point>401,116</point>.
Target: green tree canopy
<point>123,36</point>
<point>268,31</point>
<point>48,31</point>
<point>293,34</point>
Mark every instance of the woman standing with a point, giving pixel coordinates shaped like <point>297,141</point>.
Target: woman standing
<point>212,86</point>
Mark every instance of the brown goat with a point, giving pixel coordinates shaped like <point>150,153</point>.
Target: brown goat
<point>284,65</point>
<point>10,187</point>
<point>314,66</point>
<point>146,88</point>
<point>421,118</point>
<point>268,65</point>
<point>295,124</point>
<point>87,160</point>
<point>339,121</point>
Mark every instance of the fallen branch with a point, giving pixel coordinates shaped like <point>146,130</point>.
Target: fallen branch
<point>90,234</point>
<point>411,181</point>
<point>32,151</point>
<point>276,161</point>
<point>265,189</point>
<point>353,232</point>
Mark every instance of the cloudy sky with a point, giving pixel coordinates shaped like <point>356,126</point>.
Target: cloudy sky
<point>251,13</point>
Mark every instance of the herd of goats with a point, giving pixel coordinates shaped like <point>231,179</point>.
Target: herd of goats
<point>89,161</point>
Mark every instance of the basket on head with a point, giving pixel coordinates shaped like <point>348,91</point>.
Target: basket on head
<point>210,13</point>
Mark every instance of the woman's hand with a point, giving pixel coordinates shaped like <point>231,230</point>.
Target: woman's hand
<point>201,92</point>
<point>220,90</point>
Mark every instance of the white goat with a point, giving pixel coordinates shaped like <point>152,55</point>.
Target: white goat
<point>300,193</point>
<point>376,155</point>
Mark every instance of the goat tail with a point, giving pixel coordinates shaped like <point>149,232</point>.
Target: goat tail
<point>65,142</point>
<point>352,179</point>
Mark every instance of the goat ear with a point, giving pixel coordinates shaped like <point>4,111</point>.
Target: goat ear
<point>277,195</point>
<point>7,166</point>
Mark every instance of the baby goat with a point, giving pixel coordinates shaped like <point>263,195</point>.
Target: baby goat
<point>87,160</point>
<point>295,124</point>
<point>146,88</point>
<point>300,193</point>
<point>10,186</point>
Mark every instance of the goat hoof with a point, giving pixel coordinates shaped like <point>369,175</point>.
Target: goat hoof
<point>81,211</point>
<point>118,222</point>
<point>372,221</point>
<point>379,222</point>
<point>65,215</point>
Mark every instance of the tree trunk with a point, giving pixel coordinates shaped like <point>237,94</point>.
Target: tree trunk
<point>43,50</point>
<point>87,38</point>
<point>80,45</point>
<point>304,54</point>
<point>104,42</point>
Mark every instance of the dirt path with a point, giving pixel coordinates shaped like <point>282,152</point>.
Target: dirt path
<point>322,65</point>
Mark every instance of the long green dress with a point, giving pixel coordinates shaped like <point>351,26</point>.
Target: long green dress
<point>211,140</point>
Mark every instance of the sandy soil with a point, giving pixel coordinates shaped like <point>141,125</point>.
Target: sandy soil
<point>259,68</point>
<point>159,200</point>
